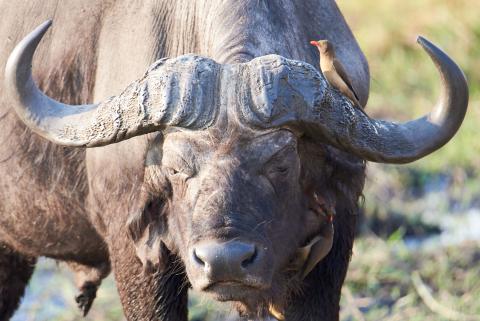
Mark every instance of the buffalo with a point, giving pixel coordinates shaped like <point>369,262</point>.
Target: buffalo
<point>231,167</point>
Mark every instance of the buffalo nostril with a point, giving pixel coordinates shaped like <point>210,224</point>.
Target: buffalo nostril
<point>249,260</point>
<point>232,260</point>
<point>198,260</point>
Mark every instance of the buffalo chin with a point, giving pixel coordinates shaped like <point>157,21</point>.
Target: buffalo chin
<point>232,291</point>
<point>250,302</point>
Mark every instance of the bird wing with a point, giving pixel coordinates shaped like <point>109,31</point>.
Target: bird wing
<point>343,74</point>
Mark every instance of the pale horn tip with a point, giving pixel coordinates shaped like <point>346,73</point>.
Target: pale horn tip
<point>20,60</point>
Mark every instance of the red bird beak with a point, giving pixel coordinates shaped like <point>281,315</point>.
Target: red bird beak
<point>314,43</point>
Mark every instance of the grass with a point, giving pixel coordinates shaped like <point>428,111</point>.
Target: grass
<point>417,198</point>
<point>386,290</point>
<point>402,202</point>
<point>404,81</point>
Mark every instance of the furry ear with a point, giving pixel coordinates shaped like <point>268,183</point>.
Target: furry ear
<point>146,228</point>
<point>151,251</point>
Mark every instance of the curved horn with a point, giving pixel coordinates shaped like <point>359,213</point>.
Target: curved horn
<point>178,100</point>
<point>295,94</point>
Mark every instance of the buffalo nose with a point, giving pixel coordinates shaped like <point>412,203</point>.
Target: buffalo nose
<point>230,261</point>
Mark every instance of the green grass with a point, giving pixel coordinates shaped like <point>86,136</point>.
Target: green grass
<point>405,85</point>
<point>385,290</point>
<point>404,82</point>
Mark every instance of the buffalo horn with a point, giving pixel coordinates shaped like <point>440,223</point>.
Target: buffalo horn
<point>289,93</point>
<point>177,99</point>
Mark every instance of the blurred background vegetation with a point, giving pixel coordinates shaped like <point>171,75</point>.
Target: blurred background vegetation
<point>417,256</point>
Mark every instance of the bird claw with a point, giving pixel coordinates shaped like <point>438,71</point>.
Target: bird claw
<point>85,298</point>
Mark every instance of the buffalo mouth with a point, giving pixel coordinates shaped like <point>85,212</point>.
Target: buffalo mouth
<point>252,301</point>
<point>234,291</point>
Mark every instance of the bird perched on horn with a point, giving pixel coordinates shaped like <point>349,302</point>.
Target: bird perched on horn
<point>332,69</point>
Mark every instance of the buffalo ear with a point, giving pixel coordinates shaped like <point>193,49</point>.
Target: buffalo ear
<point>151,251</point>
<point>146,228</point>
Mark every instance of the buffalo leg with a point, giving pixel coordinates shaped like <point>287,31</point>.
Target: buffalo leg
<point>159,296</point>
<point>15,271</point>
<point>88,279</point>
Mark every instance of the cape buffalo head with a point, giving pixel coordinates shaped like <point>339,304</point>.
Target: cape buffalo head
<point>249,213</point>
<point>249,163</point>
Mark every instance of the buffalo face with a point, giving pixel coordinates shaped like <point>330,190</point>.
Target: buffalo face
<point>238,211</point>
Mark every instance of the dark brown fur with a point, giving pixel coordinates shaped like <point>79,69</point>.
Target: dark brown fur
<point>327,171</point>
<point>92,208</point>
<point>15,272</point>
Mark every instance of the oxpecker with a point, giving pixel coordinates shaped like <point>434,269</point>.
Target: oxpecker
<point>334,72</point>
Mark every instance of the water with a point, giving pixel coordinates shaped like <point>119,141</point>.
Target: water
<point>456,229</point>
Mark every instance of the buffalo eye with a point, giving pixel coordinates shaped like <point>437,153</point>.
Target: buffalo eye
<point>177,173</point>
<point>278,170</point>
<point>171,171</point>
<point>281,163</point>
<point>176,166</point>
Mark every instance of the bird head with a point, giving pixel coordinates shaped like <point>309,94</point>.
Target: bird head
<point>324,46</point>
